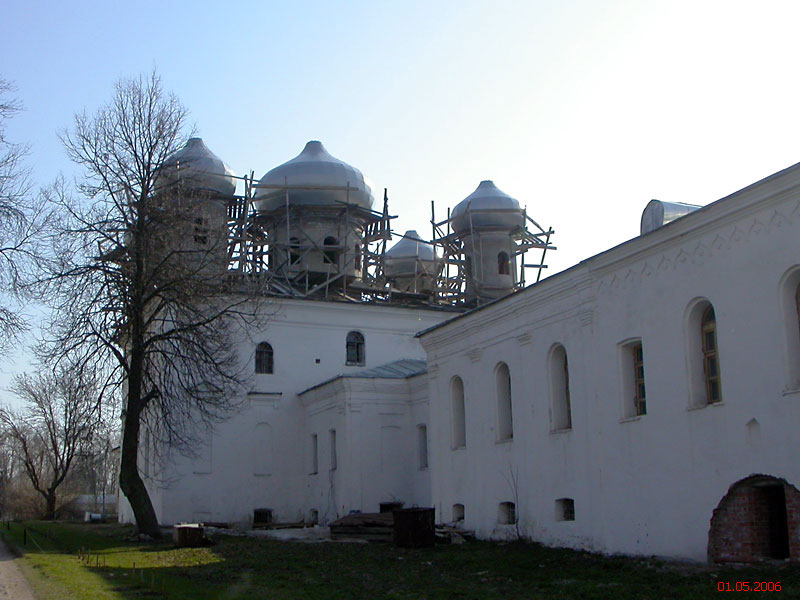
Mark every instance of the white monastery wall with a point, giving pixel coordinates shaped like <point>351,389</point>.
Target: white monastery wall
<point>377,456</point>
<point>647,484</point>
<point>260,457</point>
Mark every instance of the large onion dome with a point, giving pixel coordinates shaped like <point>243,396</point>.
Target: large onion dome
<point>404,257</point>
<point>195,167</point>
<point>317,170</point>
<point>488,207</point>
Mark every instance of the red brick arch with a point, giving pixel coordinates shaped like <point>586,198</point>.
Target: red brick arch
<point>749,524</point>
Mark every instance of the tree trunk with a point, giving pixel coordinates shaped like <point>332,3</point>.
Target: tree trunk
<point>130,482</point>
<point>50,505</point>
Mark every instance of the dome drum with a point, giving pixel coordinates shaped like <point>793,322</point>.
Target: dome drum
<point>492,264</point>
<point>317,246</point>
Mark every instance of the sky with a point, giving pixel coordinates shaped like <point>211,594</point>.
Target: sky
<point>582,110</point>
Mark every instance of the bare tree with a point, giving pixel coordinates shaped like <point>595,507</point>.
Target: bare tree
<point>138,280</point>
<point>56,424</point>
<point>22,218</point>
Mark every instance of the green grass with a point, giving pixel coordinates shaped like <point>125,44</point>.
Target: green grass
<point>237,567</point>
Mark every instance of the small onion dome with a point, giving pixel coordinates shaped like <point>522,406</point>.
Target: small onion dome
<point>488,207</point>
<point>317,170</point>
<point>657,214</point>
<point>401,259</point>
<point>195,167</point>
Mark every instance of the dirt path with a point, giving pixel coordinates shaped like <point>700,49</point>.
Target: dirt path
<point>13,586</point>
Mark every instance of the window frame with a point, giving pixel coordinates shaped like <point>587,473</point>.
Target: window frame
<point>260,368</point>
<point>355,341</point>
<point>503,263</point>
<point>504,402</point>
<point>711,370</point>
<point>458,418</point>
<point>561,397</point>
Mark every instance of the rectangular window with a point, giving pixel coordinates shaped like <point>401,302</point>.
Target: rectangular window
<point>634,394</point>
<point>422,444</point>
<point>639,396</point>
<point>333,449</point>
<point>314,454</point>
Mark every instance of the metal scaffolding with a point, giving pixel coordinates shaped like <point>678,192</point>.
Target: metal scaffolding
<point>455,274</point>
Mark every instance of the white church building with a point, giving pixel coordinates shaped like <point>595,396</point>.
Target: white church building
<point>645,401</point>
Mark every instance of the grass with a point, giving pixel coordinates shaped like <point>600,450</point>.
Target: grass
<point>76,561</point>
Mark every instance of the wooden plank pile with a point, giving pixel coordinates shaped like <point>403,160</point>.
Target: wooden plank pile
<point>374,527</point>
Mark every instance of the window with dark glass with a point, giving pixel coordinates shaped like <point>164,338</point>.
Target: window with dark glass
<point>710,358</point>
<point>355,349</point>
<point>200,231</point>
<point>639,395</point>
<point>264,358</point>
<point>503,264</point>
<point>329,256</point>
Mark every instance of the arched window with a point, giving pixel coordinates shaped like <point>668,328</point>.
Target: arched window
<point>505,424</point>
<point>790,305</point>
<point>710,359</point>
<point>264,358</point>
<point>355,349</point>
<point>329,256</point>
<point>357,249</point>
<point>468,266</point>
<point>459,416</point>
<point>561,413</point>
<point>702,354</point>
<point>797,305</point>
<point>503,264</point>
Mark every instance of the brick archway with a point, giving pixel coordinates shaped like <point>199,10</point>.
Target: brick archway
<point>758,519</point>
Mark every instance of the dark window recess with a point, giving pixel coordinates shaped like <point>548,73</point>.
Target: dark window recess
<point>565,509</point>
<point>262,516</point>
<point>640,397</point>
<point>710,358</point>
<point>355,349</point>
<point>503,264</point>
<point>329,256</point>
<point>264,358</point>
<point>200,231</point>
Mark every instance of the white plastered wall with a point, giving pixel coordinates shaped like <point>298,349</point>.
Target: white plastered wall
<point>644,485</point>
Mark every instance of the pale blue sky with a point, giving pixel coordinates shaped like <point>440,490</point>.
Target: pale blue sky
<point>582,110</point>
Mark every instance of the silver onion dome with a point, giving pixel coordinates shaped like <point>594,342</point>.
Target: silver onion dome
<point>313,178</point>
<point>402,258</point>
<point>488,207</point>
<point>195,167</point>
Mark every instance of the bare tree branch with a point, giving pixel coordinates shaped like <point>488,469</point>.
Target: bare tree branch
<point>58,422</point>
<point>138,291</point>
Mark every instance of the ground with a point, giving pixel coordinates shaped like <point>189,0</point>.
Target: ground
<point>77,561</point>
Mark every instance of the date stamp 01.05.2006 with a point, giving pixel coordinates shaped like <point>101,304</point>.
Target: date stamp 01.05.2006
<point>748,586</point>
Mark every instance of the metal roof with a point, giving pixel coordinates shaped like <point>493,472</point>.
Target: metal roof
<point>313,178</point>
<point>399,369</point>
<point>197,167</point>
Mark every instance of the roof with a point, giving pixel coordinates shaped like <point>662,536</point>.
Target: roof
<point>690,217</point>
<point>398,369</point>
